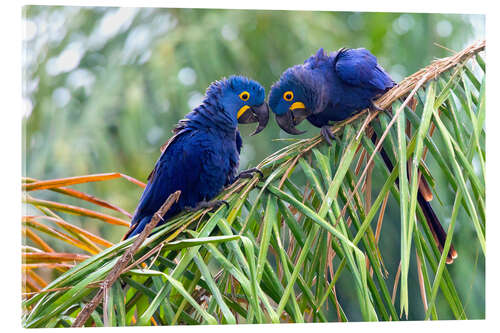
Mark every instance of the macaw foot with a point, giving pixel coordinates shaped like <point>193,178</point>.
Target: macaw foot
<point>327,134</point>
<point>214,204</point>
<point>249,173</point>
<point>375,107</point>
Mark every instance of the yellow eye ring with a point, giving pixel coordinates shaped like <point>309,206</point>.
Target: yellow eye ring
<point>244,96</point>
<point>288,96</point>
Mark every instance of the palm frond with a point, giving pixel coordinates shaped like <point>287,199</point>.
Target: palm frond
<point>286,240</point>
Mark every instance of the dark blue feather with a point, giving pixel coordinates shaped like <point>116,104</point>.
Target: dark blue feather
<point>333,87</point>
<point>358,67</point>
<point>203,155</point>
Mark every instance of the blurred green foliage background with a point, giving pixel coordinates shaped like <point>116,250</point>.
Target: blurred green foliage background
<point>103,87</point>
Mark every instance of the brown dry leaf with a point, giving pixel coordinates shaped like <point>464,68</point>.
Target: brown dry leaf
<point>76,210</point>
<point>74,229</point>
<point>30,222</point>
<point>52,257</point>
<point>47,184</point>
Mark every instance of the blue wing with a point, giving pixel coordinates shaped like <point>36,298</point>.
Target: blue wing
<point>358,67</point>
<point>178,168</point>
<point>196,163</point>
<point>239,142</point>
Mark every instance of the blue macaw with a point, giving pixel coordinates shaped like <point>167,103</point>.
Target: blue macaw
<point>335,87</point>
<point>203,155</point>
<point>328,88</point>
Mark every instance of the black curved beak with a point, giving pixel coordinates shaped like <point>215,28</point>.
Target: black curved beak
<point>256,114</point>
<point>290,119</point>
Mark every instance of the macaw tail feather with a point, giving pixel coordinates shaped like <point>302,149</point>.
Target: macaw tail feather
<point>430,216</point>
<point>137,227</point>
<point>436,228</point>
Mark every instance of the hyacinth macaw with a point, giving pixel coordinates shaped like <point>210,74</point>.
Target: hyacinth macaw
<point>334,87</point>
<point>327,88</point>
<point>203,154</point>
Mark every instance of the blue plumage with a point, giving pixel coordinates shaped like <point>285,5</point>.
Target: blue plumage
<point>332,88</point>
<point>203,155</point>
<point>328,88</point>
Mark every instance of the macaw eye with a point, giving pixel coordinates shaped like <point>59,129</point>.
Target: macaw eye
<point>244,96</point>
<point>288,96</point>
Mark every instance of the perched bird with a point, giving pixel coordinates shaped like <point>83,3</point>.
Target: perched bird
<point>328,88</point>
<point>203,155</point>
<point>335,87</point>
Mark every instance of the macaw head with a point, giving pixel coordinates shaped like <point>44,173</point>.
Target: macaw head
<point>241,100</point>
<point>294,97</point>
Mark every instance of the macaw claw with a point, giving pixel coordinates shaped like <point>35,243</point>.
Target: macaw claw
<point>375,107</point>
<point>249,173</point>
<point>327,134</point>
<point>214,204</point>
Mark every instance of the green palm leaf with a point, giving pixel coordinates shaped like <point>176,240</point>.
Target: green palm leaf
<point>289,243</point>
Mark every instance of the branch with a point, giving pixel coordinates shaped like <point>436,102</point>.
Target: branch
<point>432,71</point>
<point>124,260</point>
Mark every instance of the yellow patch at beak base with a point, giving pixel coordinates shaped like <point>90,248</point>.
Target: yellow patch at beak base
<point>241,111</point>
<point>297,105</point>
